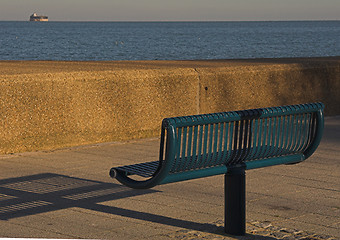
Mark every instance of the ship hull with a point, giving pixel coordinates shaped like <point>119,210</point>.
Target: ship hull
<point>38,20</point>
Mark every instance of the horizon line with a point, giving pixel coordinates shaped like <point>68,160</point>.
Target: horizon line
<point>135,21</point>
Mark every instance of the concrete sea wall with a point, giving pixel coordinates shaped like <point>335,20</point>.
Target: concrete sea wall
<point>50,104</point>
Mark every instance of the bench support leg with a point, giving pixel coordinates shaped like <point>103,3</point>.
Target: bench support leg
<point>235,201</point>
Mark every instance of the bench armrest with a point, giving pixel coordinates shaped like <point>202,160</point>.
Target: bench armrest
<point>161,172</point>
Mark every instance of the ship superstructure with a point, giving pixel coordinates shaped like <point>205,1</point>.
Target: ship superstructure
<point>38,18</point>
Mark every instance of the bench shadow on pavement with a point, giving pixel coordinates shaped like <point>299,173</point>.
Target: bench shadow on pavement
<point>47,192</point>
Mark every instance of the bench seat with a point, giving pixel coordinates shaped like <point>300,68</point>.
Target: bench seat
<point>149,169</point>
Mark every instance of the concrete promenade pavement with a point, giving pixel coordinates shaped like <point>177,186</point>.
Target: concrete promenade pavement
<point>67,193</point>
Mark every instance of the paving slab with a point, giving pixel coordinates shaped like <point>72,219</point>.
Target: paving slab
<point>67,193</point>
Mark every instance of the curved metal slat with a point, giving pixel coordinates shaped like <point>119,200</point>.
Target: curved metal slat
<point>221,143</point>
<point>188,158</point>
<point>205,142</point>
<point>175,167</point>
<point>199,150</point>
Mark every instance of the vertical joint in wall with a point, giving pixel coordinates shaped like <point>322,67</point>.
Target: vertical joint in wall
<point>198,107</point>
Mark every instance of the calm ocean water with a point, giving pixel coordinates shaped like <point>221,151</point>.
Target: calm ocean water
<point>167,40</point>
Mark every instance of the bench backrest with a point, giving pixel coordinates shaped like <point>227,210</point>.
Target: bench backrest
<point>208,144</point>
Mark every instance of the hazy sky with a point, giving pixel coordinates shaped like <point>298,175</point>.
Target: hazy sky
<point>171,10</point>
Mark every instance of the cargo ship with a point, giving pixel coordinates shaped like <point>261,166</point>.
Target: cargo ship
<point>38,18</point>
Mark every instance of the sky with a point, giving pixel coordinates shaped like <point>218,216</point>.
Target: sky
<point>171,10</point>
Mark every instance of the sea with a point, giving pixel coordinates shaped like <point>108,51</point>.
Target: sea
<point>106,41</point>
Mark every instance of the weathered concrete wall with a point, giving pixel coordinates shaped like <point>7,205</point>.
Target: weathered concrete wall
<point>271,85</point>
<point>48,105</point>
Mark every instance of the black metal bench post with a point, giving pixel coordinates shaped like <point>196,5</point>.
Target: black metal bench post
<point>235,180</point>
<point>235,201</point>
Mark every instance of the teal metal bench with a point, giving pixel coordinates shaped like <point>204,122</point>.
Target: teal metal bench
<point>229,143</point>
